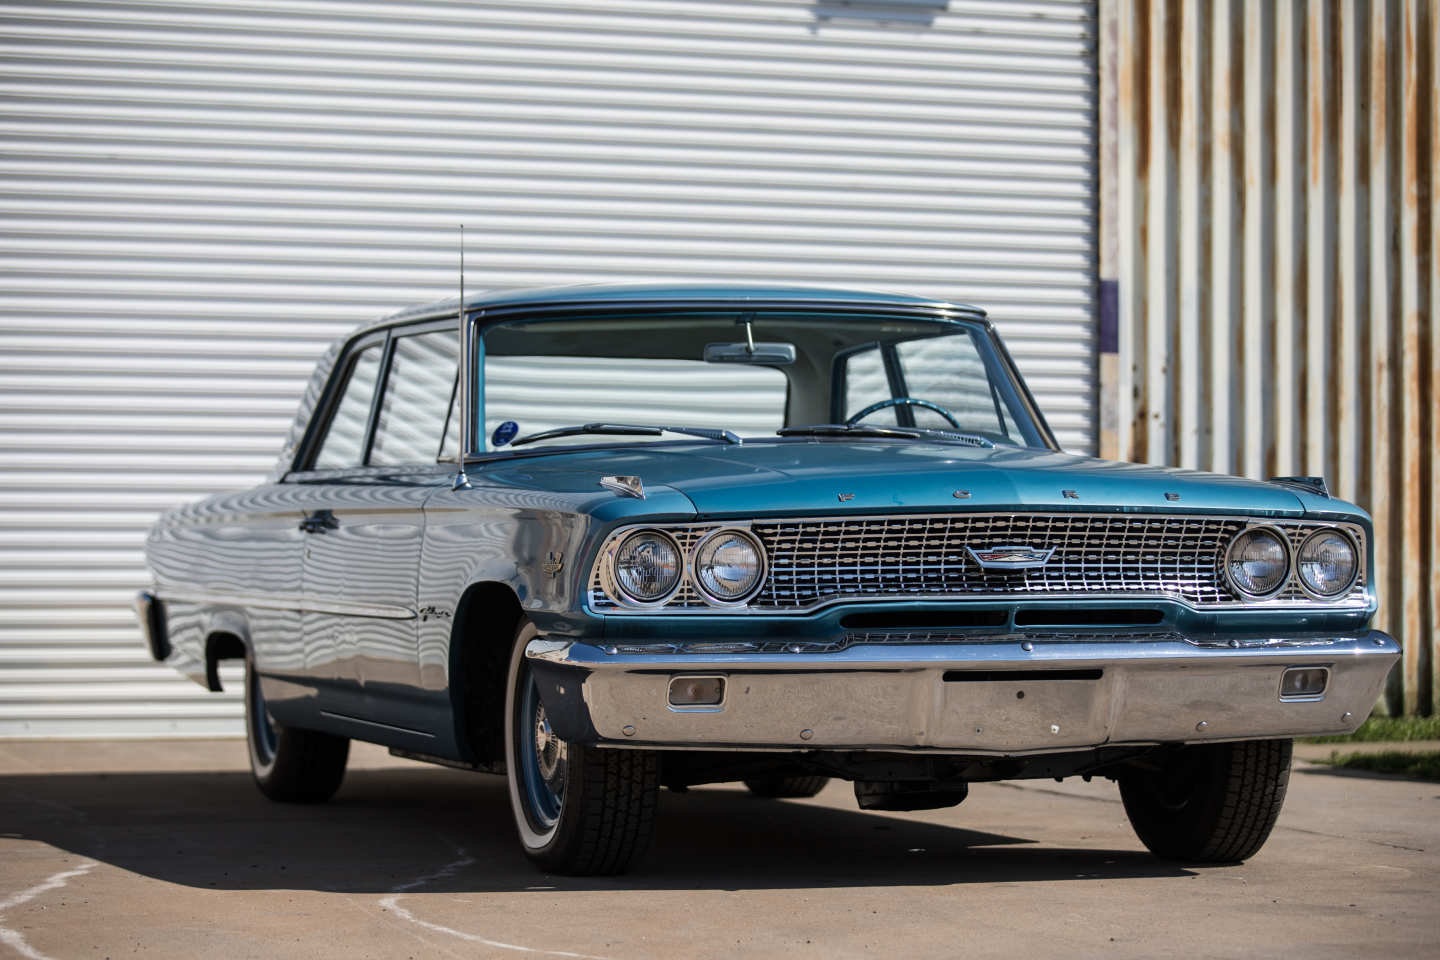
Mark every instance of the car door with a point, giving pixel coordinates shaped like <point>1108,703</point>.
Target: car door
<point>370,474</point>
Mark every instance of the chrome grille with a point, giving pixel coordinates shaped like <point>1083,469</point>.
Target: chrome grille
<point>816,561</point>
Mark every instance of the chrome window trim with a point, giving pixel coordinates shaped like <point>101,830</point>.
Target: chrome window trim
<point>1354,577</point>
<point>277,601</point>
<point>1359,597</point>
<point>1290,571</point>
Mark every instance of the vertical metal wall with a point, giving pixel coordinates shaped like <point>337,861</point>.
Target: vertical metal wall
<point>1269,263</point>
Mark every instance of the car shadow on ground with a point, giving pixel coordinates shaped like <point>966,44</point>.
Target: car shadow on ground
<point>1315,768</point>
<point>396,829</point>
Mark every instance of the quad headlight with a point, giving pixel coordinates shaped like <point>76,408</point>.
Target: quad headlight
<point>1328,563</point>
<point>648,566</point>
<point>728,566</point>
<point>1258,562</point>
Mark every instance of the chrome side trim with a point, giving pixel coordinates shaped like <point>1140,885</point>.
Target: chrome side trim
<point>379,726</point>
<point>287,602</point>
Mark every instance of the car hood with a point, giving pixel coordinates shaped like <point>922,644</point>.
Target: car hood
<point>875,476</point>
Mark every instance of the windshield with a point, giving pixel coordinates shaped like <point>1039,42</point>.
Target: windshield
<point>750,373</point>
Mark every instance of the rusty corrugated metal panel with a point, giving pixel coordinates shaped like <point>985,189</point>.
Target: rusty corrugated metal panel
<point>1278,262</point>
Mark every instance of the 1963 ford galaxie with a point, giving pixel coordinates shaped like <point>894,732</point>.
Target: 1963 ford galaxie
<point>664,536</point>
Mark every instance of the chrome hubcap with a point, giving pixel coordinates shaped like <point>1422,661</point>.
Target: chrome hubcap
<point>541,760</point>
<point>549,753</point>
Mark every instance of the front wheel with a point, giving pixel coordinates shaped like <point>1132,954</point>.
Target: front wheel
<point>289,764</point>
<point>1212,803</point>
<point>579,810</point>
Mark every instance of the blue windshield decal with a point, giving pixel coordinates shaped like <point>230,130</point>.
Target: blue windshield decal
<point>504,433</point>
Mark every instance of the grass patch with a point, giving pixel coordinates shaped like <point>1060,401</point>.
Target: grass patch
<point>1418,766</point>
<point>1388,730</point>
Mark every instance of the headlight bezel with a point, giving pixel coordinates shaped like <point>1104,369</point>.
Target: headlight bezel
<point>1284,580</point>
<point>1354,571</point>
<point>693,566</point>
<point>618,589</point>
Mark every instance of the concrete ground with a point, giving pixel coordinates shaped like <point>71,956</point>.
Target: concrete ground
<point>167,850</point>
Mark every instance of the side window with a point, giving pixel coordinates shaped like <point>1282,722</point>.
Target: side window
<point>417,397</point>
<point>344,444</point>
<point>865,383</point>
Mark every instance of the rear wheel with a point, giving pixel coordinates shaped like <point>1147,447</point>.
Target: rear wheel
<point>787,788</point>
<point>1212,803</point>
<point>289,764</point>
<point>579,810</point>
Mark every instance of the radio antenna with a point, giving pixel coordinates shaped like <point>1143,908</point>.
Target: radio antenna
<point>462,482</point>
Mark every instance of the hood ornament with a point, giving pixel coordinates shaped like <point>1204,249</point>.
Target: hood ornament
<point>625,486</point>
<point>1014,557</point>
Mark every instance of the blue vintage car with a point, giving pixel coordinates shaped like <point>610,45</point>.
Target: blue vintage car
<point>672,535</point>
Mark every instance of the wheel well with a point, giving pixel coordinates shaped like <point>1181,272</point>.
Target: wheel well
<point>220,646</point>
<point>480,641</point>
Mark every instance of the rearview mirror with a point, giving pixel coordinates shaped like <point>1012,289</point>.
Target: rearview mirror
<point>761,354</point>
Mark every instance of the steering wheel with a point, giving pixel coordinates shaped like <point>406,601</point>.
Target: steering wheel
<point>904,402</point>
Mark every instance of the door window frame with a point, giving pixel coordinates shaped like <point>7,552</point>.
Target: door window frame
<point>303,466</point>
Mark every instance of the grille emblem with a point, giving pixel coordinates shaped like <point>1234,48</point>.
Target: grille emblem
<point>1010,557</point>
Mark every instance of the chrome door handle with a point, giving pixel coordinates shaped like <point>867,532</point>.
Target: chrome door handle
<point>319,522</point>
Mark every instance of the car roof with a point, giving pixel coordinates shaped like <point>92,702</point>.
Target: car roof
<point>679,295</point>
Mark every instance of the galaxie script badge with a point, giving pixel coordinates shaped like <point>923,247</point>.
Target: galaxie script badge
<point>1010,557</point>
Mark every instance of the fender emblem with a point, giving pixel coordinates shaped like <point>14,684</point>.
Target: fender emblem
<point>553,563</point>
<point>844,497</point>
<point>1010,557</point>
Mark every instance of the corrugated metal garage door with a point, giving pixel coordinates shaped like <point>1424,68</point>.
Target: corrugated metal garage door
<point>196,197</point>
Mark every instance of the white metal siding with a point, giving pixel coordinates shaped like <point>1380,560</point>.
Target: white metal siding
<point>196,197</point>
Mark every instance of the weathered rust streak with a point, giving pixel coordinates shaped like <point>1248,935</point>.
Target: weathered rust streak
<point>1171,66</point>
<point>1135,97</point>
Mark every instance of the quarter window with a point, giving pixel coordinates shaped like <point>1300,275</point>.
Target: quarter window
<point>344,444</point>
<point>418,391</point>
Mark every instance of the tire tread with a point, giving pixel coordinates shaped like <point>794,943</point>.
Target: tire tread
<point>615,833</point>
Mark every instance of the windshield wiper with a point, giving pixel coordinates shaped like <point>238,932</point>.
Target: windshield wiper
<point>628,430</point>
<point>874,430</point>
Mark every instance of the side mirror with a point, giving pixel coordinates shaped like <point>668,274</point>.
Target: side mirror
<point>759,354</point>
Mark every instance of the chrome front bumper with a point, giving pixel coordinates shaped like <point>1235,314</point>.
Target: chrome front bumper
<point>1004,697</point>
